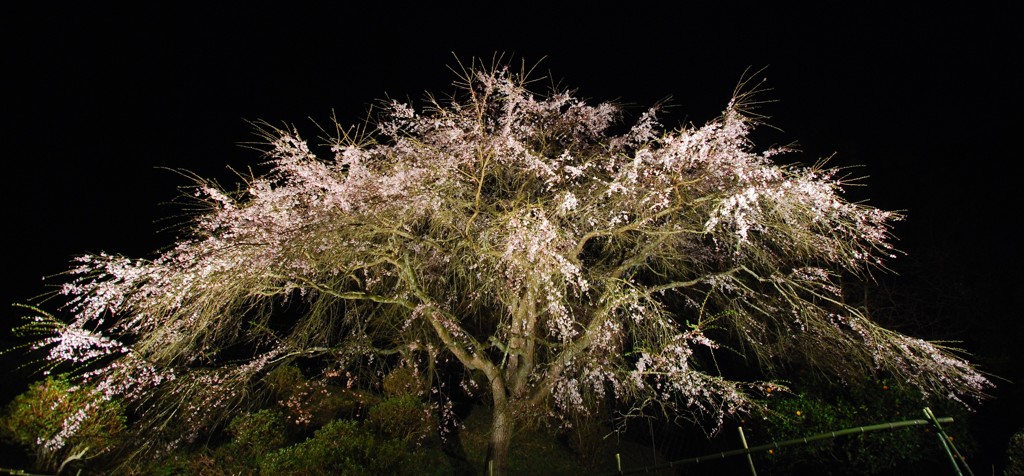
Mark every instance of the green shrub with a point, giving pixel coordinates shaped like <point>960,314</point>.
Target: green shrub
<point>284,381</point>
<point>808,413</point>
<point>346,447</point>
<point>402,381</point>
<point>311,404</point>
<point>1015,455</point>
<point>253,435</point>
<point>39,415</point>
<point>257,433</point>
<point>404,417</point>
<point>195,462</point>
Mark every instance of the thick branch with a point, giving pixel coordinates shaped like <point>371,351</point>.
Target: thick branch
<point>446,327</point>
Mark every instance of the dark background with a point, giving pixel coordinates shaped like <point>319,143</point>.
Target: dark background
<point>98,98</point>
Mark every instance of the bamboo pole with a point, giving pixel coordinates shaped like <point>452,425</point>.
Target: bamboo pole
<point>947,444</point>
<point>750,459</point>
<point>19,472</point>
<point>781,444</point>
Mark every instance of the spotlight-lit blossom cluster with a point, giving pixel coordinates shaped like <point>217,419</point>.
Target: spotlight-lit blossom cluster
<point>77,345</point>
<point>513,234</point>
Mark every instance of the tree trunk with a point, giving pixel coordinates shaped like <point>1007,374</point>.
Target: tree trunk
<point>496,463</point>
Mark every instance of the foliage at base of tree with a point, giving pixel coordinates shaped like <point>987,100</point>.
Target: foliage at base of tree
<point>1015,455</point>
<point>346,447</point>
<point>48,408</point>
<point>343,432</point>
<point>822,408</point>
<point>396,434</point>
<point>256,434</point>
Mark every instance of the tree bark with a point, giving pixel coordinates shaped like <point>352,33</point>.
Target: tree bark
<point>502,426</point>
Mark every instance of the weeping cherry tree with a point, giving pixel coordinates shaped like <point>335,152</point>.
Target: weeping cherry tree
<point>511,235</point>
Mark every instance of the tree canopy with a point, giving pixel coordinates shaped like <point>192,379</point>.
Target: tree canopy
<point>554,256</point>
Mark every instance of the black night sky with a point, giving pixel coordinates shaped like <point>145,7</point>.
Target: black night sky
<point>99,99</point>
